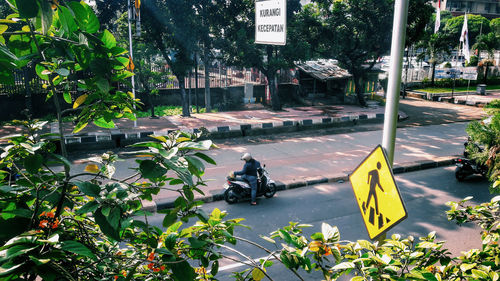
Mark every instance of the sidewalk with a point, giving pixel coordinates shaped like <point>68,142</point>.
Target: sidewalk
<point>468,98</point>
<point>254,121</point>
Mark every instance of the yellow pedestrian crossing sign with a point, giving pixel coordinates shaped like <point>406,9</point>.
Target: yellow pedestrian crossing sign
<point>377,195</point>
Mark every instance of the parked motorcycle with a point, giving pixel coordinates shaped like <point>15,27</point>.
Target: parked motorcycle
<point>237,189</point>
<point>466,167</point>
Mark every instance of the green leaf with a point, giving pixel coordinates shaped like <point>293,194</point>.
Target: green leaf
<point>40,70</point>
<point>46,16</point>
<point>196,243</point>
<point>62,71</point>
<point>33,162</point>
<point>106,228</point>
<point>197,164</point>
<point>151,170</point>
<point>103,85</point>
<point>67,97</point>
<point>85,17</point>
<point>5,271</point>
<point>215,268</point>
<point>182,271</point>
<point>27,8</point>
<point>89,189</point>
<point>101,122</point>
<point>88,208</point>
<point>77,248</point>
<point>61,159</point>
<point>114,217</point>
<point>170,219</point>
<point>202,215</point>
<point>343,266</point>
<point>202,145</point>
<point>3,28</point>
<point>108,39</point>
<point>80,126</point>
<point>67,20</point>
<point>479,274</point>
<point>205,157</point>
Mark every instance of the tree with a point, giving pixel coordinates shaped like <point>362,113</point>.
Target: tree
<point>211,22</point>
<point>239,46</point>
<point>356,33</point>
<point>475,24</point>
<point>488,42</point>
<point>495,26</point>
<point>63,48</point>
<point>435,44</point>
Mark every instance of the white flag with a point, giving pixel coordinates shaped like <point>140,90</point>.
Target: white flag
<point>464,37</point>
<point>438,17</point>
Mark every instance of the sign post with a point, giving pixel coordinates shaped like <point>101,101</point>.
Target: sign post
<point>377,195</point>
<point>270,22</point>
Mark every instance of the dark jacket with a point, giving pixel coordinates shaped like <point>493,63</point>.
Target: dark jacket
<point>250,168</point>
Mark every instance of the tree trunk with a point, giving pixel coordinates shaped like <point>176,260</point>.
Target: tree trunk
<point>359,91</point>
<point>275,99</point>
<point>433,76</point>
<point>485,73</point>
<point>271,74</point>
<point>184,100</point>
<point>206,61</point>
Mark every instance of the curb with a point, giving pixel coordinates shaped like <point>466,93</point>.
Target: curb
<point>444,97</point>
<point>117,139</point>
<point>161,204</point>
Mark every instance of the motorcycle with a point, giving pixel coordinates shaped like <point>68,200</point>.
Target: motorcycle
<point>466,167</point>
<point>237,188</point>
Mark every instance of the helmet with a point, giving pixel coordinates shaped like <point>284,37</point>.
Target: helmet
<point>246,157</point>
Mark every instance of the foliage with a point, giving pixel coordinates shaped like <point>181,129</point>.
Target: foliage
<point>395,258</point>
<point>238,42</point>
<point>360,31</point>
<point>495,26</point>
<point>69,51</point>
<point>485,143</point>
<point>419,15</point>
<point>87,225</point>
<point>476,24</point>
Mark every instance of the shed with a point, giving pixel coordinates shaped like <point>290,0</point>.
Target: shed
<point>323,78</point>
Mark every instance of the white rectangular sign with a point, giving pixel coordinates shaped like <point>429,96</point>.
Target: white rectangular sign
<point>469,73</point>
<point>270,22</point>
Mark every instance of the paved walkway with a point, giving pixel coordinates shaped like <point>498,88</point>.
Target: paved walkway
<point>222,124</point>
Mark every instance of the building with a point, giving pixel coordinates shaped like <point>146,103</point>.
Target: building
<point>487,8</point>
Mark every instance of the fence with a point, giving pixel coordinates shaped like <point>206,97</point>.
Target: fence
<point>218,78</point>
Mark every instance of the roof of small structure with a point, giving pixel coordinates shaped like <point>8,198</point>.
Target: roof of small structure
<point>324,69</point>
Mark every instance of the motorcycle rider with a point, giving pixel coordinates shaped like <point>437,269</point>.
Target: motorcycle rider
<point>249,173</point>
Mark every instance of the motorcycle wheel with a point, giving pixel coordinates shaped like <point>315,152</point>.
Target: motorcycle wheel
<point>271,190</point>
<point>229,196</point>
<point>460,175</point>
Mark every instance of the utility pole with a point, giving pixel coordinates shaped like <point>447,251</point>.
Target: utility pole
<point>394,82</point>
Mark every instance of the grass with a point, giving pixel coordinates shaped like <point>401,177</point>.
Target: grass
<point>164,110</point>
<point>457,89</point>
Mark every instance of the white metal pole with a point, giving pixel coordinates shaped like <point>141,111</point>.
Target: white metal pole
<point>131,51</point>
<point>394,81</point>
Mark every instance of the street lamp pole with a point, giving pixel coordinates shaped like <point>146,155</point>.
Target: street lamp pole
<point>131,51</point>
<point>394,82</point>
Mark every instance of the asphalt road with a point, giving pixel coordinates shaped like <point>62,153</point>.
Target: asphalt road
<point>424,193</point>
<point>295,159</point>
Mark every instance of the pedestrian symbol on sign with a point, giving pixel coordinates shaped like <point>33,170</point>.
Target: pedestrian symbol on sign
<point>377,195</point>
